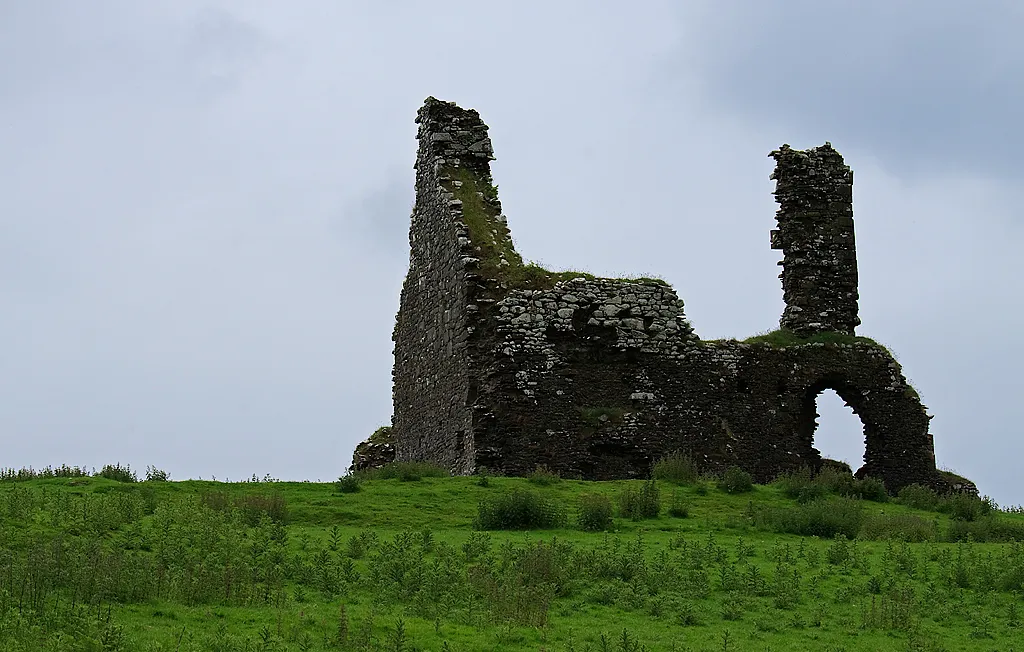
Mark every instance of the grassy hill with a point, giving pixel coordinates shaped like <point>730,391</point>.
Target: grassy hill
<point>398,560</point>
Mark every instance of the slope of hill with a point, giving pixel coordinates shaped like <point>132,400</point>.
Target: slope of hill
<point>400,561</point>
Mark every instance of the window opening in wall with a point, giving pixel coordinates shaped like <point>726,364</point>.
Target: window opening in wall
<point>839,434</point>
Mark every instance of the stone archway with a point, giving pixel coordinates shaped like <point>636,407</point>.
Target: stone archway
<point>839,433</point>
<point>807,419</point>
<point>897,445</point>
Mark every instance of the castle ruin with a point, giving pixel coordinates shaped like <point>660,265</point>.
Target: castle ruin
<point>504,365</point>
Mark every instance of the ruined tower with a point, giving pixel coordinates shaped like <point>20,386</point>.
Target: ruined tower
<point>506,365</point>
<point>814,189</point>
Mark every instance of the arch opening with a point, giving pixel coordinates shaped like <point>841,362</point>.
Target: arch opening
<point>834,428</point>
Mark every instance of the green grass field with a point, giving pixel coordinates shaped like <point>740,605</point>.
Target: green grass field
<point>90,563</point>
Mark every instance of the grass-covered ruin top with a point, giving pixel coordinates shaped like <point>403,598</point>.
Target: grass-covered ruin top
<point>782,338</point>
<point>480,212</point>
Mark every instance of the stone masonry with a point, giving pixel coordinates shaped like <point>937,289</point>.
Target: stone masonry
<point>503,365</point>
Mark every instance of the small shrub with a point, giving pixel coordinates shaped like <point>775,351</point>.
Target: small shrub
<point>483,477</point>
<point>676,468</point>
<point>871,489</point>
<point>154,474</point>
<point>348,483</point>
<point>794,484</point>
<point>835,480</point>
<point>918,497</point>
<point>118,473</point>
<point>543,476</point>
<point>637,504</point>
<point>594,513</point>
<point>736,481</point>
<point>898,527</point>
<point>679,507</point>
<point>519,510</point>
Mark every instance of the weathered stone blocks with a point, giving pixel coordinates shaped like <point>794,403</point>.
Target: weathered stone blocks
<point>505,365</point>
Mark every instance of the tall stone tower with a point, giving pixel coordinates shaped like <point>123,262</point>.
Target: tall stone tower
<point>814,189</point>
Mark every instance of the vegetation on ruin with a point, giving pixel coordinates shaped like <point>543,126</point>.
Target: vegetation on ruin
<point>783,337</point>
<point>414,560</point>
<point>479,200</point>
<point>595,415</point>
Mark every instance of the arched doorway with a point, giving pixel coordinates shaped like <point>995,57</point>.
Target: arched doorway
<point>839,434</point>
<point>831,425</point>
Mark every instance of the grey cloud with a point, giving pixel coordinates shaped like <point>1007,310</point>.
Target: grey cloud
<point>931,89</point>
<point>204,210</point>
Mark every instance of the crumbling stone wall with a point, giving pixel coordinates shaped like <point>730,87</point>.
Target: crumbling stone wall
<point>814,189</point>
<point>504,365</point>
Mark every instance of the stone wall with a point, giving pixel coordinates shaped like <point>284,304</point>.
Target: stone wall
<point>508,366</point>
<point>432,420</point>
<point>814,189</point>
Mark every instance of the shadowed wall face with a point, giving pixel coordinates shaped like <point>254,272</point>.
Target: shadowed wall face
<point>814,189</point>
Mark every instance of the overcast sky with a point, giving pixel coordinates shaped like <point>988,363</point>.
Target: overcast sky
<point>204,205</point>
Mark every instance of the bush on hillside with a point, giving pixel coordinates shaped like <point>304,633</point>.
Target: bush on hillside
<point>519,510</point>
<point>918,497</point>
<point>965,507</point>
<point>871,489</point>
<point>736,481</point>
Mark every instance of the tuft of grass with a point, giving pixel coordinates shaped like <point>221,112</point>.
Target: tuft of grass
<point>252,507</point>
<point>594,513</point>
<point>637,504</point>
<point>825,518</point>
<point>544,477</point>
<point>676,468</point>
<point>519,510</point>
<point>349,483</point>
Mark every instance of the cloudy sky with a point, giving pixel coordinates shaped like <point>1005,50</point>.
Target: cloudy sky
<point>204,204</point>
